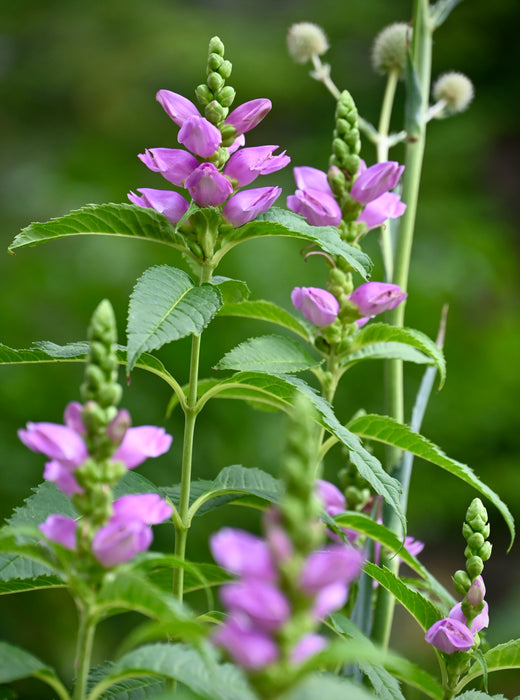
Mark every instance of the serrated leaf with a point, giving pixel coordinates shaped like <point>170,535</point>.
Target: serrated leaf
<point>374,334</point>
<point>181,663</point>
<point>478,695</point>
<point>18,664</point>
<point>232,291</point>
<point>267,311</point>
<point>379,533</point>
<point>440,11</point>
<point>165,306</point>
<point>388,431</point>
<point>130,689</point>
<point>424,611</point>
<point>270,353</point>
<point>500,658</point>
<point>327,686</point>
<point>127,220</point>
<point>278,391</point>
<point>281,222</point>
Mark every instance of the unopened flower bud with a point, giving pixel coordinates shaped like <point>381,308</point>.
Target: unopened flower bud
<point>203,94</point>
<point>214,112</point>
<point>475,541</point>
<point>216,46</point>
<point>215,82</point>
<point>226,96</point>
<point>225,69</point>
<point>461,581</point>
<point>389,49</point>
<point>116,429</point>
<point>476,592</point>
<point>485,551</point>
<point>305,40</point>
<point>317,305</point>
<point>455,89</point>
<point>474,566</point>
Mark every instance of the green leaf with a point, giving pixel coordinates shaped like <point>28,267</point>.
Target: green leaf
<point>440,11</point>
<point>278,391</point>
<point>367,526</point>
<point>373,338</point>
<point>18,663</point>
<point>166,306</point>
<point>281,222</point>
<point>327,686</point>
<point>500,658</point>
<point>267,311</point>
<point>270,353</point>
<point>181,663</point>
<point>126,220</point>
<point>130,689</point>
<point>232,291</point>
<point>388,431</point>
<point>425,612</point>
<point>478,695</point>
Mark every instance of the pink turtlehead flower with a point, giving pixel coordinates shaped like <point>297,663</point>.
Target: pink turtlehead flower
<point>142,442</point>
<point>308,645</point>
<point>173,164</point>
<point>207,186</point>
<point>246,205</point>
<point>479,622</point>
<point>261,601</point>
<point>58,442</point>
<point>248,115</point>
<point>314,199</point>
<point>247,164</point>
<point>374,181</point>
<point>372,298</point>
<point>249,648</point>
<point>476,592</point>
<point>242,554</point>
<point>60,529</point>
<point>63,477</point>
<point>200,136</point>
<point>176,106</point>
<point>376,212</point>
<point>450,635</point>
<point>317,305</point>
<point>333,564</point>
<point>167,202</point>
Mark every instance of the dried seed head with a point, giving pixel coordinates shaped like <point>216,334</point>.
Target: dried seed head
<point>455,89</point>
<point>389,49</point>
<point>305,40</point>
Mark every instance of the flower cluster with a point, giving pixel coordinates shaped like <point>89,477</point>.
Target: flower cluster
<point>127,530</point>
<point>315,200</point>
<point>215,165</point>
<point>321,308</point>
<point>260,609</point>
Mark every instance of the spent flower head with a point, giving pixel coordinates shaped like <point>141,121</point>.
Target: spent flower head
<point>305,40</point>
<point>455,90</point>
<point>389,48</point>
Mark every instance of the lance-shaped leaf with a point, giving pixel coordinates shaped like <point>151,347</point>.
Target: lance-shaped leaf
<point>281,222</point>
<point>127,220</point>
<point>261,310</point>
<point>179,662</point>
<point>278,391</point>
<point>388,431</point>
<point>500,658</point>
<point>379,340</point>
<point>166,306</point>
<point>270,353</point>
<point>18,663</point>
<point>440,11</point>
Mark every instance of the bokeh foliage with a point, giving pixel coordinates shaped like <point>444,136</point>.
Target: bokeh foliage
<point>77,86</point>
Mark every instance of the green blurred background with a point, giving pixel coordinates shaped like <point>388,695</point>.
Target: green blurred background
<point>77,87</point>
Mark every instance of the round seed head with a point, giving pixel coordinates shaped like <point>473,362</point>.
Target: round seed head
<point>305,40</point>
<point>389,48</point>
<point>456,89</point>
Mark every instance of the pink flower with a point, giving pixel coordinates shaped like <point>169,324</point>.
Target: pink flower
<point>167,202</point>
<point>200,136</point>
<point>479,622</point>
<point>314,199</point>
<point>248,647</point>
<point>308,645</point>
<point>63,477</point>
<point>376,212</point>
<point>176,106</point>
<point>333,500</point>
<point>374,298</point>
<point>56,441</point>
<point>174,164</point>
<point>208,187</point>
<point>260,601</point>
<point>142,442</point>
<point>476,592</point>
<point>149,508</point>
<point>245,206</point>
<point>317,305</point>
<point>334,564</point>
<point>329,599</point>
<point>247,164</point>
<point>249,114</point>
<point>60,529</point>
<point>242,554</point>
<point>374,181</point>
<point>450,635</point>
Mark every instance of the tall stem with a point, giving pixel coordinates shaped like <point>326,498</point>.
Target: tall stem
<point>421,52</point>
<point>181,531</point>
<point>86,631</point>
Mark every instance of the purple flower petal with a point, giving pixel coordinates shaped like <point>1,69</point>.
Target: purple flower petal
<point>208,187</point>
<point>149,508</point>
<point>173,164</point>
<point>55,441</point>
<point>63,478</point>
<point>260,601</point>
<point>372,182</point>
<point>247,647</point>
<point>330,495</point>
<point>142,442</point>
<point>334,564</point>
<point>450,635</point>
<point>73,417</point>
<point>119,541</point>
<point>308,645</point>
<point>317,305</point>
<point>479,622</point>
<point>248,163</point>
<point>317,207</point>
<point>200,136</point>
<point>167,202</point>
<point>329,599</point>
<point>308,178</point>
<point>242,554</point>
<point>248,115</point>
<point>245,206</point>
<point>476,592</point>
<point>60,529</point>
<point>176,106</point>
<point>376,212</point>
<point>373,298</point>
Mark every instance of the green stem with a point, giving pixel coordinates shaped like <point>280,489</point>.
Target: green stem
<point>421,52</point>
<point>86,631</point>
<point>191,412</point>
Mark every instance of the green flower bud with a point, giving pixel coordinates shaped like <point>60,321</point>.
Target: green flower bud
<point>203,94</point>
<point>475,541</point>
<point>216,46</point>
<point>226,96</point>
<point>389,48</point>
<point>214,61</point>
<point>474,566</point>
<point>455,89</point>
<point>215,82</point>
<point>305,40</point>
<point>225,69</point>
<point>215,113</point>
<point>485,551</point>
<point>461,581</point>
